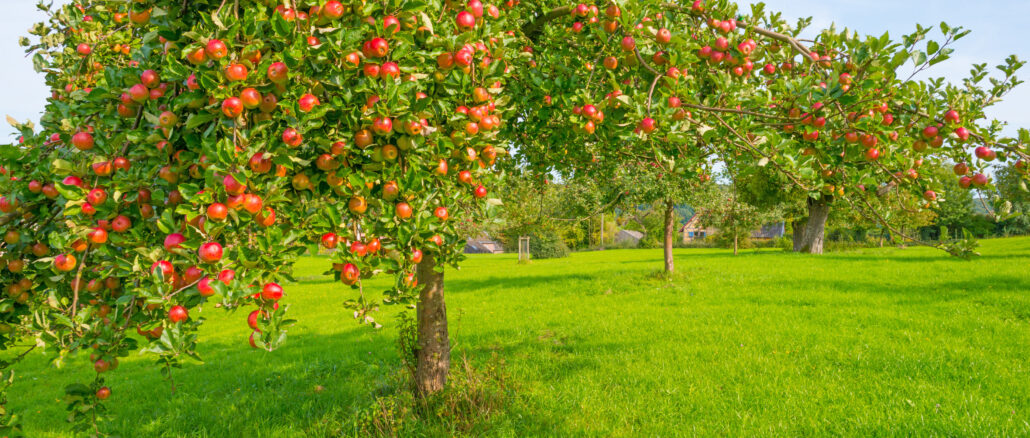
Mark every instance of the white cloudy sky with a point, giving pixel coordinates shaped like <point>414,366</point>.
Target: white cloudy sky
<point>998,26</point>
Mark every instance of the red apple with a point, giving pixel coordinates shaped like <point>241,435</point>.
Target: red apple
<point>628,43</point>
<point>277,72</point>
<point>930,132</point>
<point>330,240</point>
<point>150,79</point>
<point>465,20</point>
<point>350,274</point>
<point>983,152</point>
<point>382,126</point>
<point>96,196</point>
<point>272,292</point>
<point>216,49</point>
<point>210,252</point>
<point>232,186</point>
<point>648,125</point>
<point>307,102</point>
<point>980,180</point>
<point>178,314</point>
<point>83,141</point>
<point>236,72</point>
<point>232,107</point>
<point>63,262</point>
<point>403,210</point>
<point>97,236</point>
<point>962,133</point>
<point>121,224</point>
<point>174,241</point>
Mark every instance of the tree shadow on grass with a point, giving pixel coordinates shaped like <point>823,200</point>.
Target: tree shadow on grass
<point>239,391</point>
<point>866,257</point>
<point>315,385</point>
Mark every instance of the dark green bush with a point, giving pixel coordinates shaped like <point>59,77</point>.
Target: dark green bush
<point>651,241</point>
<point>725,240</point>
<point>546,245</point>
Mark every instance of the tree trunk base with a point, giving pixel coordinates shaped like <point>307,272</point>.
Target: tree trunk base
<point>811,241</point>
<point>433,355</point>
<point>670,232</point>
<point>798,231</point>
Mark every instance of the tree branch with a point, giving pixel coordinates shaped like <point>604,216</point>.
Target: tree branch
<point>533,28</point>
<point>755,150</point>
<point>734,111</point>
<point>643,63</point>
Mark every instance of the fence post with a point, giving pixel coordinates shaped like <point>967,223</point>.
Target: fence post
<point>523,249</point>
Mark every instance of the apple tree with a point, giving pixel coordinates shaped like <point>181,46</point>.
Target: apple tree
<point>842,116</point>
<point>193,149</point>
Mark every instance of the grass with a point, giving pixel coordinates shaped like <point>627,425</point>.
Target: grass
<point>895,342</point>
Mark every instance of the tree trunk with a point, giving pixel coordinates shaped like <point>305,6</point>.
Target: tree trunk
<point>670,232</point>
<point>433,357</point>
<point>734,244</point>
<point>815,229</point>
<point>798,230</point>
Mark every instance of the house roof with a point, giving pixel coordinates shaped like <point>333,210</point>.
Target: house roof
<point>631,234</point>
<point>691,223</point>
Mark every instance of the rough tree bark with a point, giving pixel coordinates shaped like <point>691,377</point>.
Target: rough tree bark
<point>815,228</point>
<point>433,356</point>
<point>798,230</point>
<point>670,233</point>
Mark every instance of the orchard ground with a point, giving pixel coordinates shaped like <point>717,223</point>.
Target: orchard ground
<point>871,342</point>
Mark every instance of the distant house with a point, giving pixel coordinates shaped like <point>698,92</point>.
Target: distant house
<point>483,245</point>
<point>628,236</point>
<point>694,229</point>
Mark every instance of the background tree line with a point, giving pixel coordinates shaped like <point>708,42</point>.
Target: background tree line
<point>562,216</point>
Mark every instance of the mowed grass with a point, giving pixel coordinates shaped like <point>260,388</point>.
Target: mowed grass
<point>896,342</point>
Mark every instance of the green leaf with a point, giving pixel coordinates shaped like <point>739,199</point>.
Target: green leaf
<point>931,47</point>
<point>196,120</point>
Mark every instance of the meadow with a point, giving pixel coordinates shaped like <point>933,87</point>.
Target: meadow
<point>894,342</point>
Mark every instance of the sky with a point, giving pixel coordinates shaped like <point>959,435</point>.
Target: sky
<point>997,27</point>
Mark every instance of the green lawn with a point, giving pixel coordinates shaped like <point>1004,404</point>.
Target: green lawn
<point>877,342</point>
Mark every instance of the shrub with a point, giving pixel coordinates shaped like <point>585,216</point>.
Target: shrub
<point>704,242</point>
<point>651,241</point>
<point>725,240</point>
<point>547,245</point>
